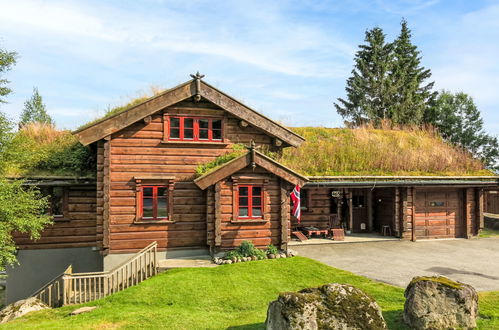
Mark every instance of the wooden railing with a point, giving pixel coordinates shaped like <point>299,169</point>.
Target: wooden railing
<point>77,288</point>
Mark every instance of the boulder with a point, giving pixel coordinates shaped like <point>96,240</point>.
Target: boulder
<point>20,308</point>
<point>332,306</point>
<point>82,310</point>
<point>440,303</point>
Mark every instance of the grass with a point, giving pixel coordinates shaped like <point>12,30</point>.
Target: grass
<point>42,150</point>
<point>369,151</point>
<point>237,150</point>
<point>488,232</point>
<point>225,297</point>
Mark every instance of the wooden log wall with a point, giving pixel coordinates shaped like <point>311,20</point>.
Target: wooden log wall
<point>318,212</point>
<point>78,230</point>
<point>231,231</point>
<point>139,150</point>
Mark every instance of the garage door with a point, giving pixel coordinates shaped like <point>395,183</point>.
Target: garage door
<point>439,214</point>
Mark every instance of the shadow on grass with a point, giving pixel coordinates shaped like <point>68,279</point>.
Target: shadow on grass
<point>253,326</point>
<point>395,320</point>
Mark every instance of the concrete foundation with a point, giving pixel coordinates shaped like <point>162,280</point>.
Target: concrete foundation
<point>113,260</point>
<point>37,267</point>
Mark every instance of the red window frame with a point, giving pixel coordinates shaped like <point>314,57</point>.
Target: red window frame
<point>154,199</point>
<point>195,129</point>
<point>250,205</point>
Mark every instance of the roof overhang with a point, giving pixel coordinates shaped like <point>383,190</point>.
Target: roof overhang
<point>401,181</point>
<point>251,157</point>
<point>194,87</point>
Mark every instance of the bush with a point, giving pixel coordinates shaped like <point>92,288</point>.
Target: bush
<point>271,249</point>
<point>246,249</point>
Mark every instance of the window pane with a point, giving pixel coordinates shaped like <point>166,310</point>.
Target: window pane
<point>203,134</point>
<point>162,191</point>
<point>243,191</point>
<point>216,124</point>
<point>217,134</point>
<point>175,133</point>
<point>174,122</point>
<point>188,133</point>
<point>257,191</point>
<point>243,211</point>
<point>162,208</point>
<point>257,201</point>
<point>147,208</point>
<point>256,212</point>
<point>203,123</point>
<point>57,201</point>
<point>148,191</point>
<point>188,122</point>
<point>243,201</point>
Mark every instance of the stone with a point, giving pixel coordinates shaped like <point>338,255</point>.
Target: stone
<point>254,258</point>
<point>219,261</point>
<point>20,308</point>
<point>229,261</point>
<point>82,310</point>
<point>438,302</point>
<point>291,253</point>
<point>331,306</point>
<point>271,256</point>
<point>283,255</point>
<point>277,256</point>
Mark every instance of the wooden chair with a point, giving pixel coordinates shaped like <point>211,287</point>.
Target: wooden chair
<point>337,232</point>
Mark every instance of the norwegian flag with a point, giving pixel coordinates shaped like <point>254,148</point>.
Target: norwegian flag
<point>295,197</point>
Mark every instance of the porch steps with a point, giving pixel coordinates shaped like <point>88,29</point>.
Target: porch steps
<point>185,262</point>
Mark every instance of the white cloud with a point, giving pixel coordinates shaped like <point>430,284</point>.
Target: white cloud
<point>265,38</point>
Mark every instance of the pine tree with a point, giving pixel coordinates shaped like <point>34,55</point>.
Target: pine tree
<point>34,110</point>
<point>413,96</point>
<point>369,88</point>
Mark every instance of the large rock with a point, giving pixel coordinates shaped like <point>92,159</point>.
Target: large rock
<point>20,308</point>
<point>440,303</point>
<point>332,306</point>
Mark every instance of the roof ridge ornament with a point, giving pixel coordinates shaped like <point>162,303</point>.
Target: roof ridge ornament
<point>197,80</point>
<point>251,148</point>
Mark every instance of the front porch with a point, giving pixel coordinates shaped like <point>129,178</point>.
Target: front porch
<point>349,238</point>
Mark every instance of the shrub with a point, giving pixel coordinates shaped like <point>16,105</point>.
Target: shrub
<point>246,249</point>
<point>271,249</point>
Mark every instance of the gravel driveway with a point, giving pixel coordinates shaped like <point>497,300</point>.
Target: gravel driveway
<point>473,261</point>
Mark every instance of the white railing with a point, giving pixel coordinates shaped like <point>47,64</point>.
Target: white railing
<point>77,288</point>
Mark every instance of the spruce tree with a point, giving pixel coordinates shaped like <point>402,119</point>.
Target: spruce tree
<point>369,89</point>
<point>412,96</point>
<point>34,110</point>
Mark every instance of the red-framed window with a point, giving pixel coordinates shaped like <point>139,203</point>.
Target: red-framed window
<point>250,201</point>
<point>154,203</point>
<point>183,128</point>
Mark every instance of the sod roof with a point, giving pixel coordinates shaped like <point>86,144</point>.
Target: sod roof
<point>380,152</point>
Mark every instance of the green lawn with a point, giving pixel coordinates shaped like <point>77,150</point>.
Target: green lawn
<point>225,297</point>
<point>487,232</point>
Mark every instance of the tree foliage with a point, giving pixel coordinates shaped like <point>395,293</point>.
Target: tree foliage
<point>35,111</point>
<point>7,61</point>
<point>387,82</point>
<point>411,95</point>
<point>459,121</point>
<point>369,87</point>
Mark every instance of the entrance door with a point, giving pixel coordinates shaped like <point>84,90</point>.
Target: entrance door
<point>439,214</point>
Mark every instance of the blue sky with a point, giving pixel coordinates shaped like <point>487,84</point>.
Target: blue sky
<point>287,59</point>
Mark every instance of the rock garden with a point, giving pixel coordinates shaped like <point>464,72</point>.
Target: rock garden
<point>248,252</point>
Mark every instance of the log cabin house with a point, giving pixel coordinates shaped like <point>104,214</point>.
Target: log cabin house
<point>146,189</point>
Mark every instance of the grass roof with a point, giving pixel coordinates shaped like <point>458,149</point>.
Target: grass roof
<point>369,151</point>
<point>40,150</point>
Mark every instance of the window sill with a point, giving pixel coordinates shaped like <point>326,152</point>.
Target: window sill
<point>157,222</point>
<point>241,221</point>
<point>211,143</point>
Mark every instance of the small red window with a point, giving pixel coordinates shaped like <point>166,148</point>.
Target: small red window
<point>250,202</point>
<point>194,129</point>
<point>154,202</point>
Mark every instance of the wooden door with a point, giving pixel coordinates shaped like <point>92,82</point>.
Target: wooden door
<point>439,214</point>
